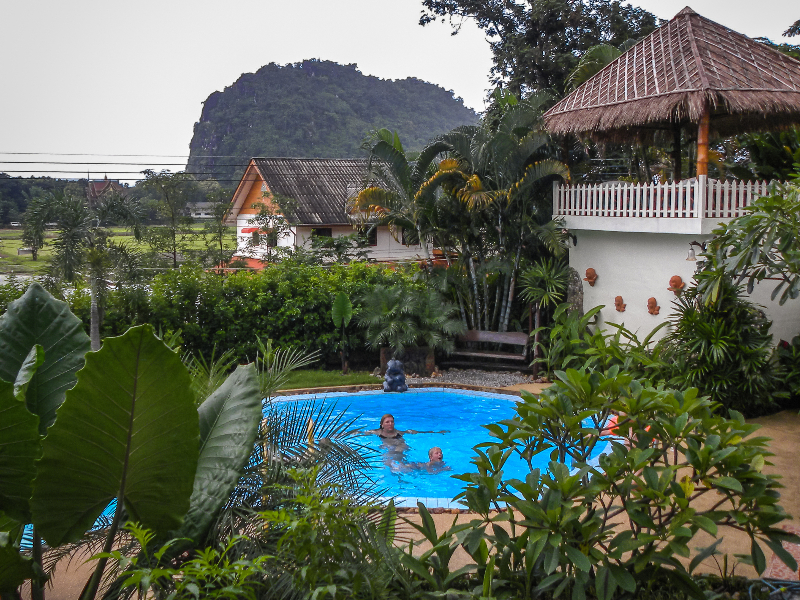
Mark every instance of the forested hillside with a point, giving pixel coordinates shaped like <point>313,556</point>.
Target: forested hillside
<point>315,109</point>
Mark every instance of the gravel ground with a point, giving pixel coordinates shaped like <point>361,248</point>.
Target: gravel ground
<point>476,377</point>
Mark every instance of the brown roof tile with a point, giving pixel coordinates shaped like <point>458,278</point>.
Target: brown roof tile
<point>319,186</point>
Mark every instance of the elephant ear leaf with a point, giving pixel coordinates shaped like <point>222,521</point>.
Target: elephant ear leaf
<point>20,446</point>
<point>38,318</point>
<point>127,430</point>
<point>229,421</point>
<point>33,361</point>
<point>342,310</point>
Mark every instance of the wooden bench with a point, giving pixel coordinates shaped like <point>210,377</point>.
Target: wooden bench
<point>473,345</point>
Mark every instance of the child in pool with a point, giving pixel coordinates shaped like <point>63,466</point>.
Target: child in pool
<point>435,463</point>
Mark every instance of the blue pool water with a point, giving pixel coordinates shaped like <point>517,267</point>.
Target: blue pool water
<point>461,412</point>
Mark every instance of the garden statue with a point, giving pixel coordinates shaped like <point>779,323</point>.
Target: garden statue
<point>652,306</point>
<point>676,284</point>
<point>395,378</point>
<point>618,304</point>
<point>591,276</point>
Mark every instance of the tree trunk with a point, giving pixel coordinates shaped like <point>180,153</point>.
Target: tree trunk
<point>536,339</point>
<point>424,244</point>
<point>94,326</point>
<point>511,287</point>
<point>474,278</point>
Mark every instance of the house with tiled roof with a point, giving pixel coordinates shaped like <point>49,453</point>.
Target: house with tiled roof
<point>317,191</point>
<point>99,187</point>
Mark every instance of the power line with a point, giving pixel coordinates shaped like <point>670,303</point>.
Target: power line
<point>124,155</point>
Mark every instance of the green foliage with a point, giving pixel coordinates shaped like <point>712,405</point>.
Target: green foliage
<point>38,318</point>
<point>210,574</point>
<point>591,62</point>
<point>131,406</point>
<point>134,393</point>
<point>770,156</point>
<point>227,433</point>
<point>328,546</point>
<point>536,45</point>
<point>289,302</point>
<point>722,346</point>
<point>400,317</point>
<point>314,109</point>
<point>788,356</point>
<point>763,243</point>
<point>545,283</point>
<point>624,521</point>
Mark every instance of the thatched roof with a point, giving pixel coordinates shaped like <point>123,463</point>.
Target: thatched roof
<point>666,78</point>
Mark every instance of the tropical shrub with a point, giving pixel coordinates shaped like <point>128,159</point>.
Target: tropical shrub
<point>721,345</point>
<point>289,302</point>
<point>211,574</point>
<point>621,523</point>
<point>328,544</point>
<point>110,417</point>
<point>399,318</point>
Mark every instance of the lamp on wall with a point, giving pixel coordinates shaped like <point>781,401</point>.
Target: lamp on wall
<point>570,236</point>
<point>691,250</point>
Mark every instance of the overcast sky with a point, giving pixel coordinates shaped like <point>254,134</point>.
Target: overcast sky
<point>128,78</point>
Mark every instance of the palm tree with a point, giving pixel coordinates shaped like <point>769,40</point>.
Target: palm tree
<point>496,170</point>
<point>85,247</point>
<point>390,196</point>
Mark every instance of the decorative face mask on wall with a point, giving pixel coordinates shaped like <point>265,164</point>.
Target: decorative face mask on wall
<point>652,306</point>
<point>676,284</point>
<point>591,276</point>
<point>619,305</point>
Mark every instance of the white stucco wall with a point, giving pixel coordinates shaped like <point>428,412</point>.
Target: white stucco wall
<point>638,266</point>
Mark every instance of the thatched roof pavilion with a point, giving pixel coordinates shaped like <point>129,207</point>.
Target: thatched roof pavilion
<point>688,71</point>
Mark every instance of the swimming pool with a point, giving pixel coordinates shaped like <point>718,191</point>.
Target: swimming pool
<point>461,412</point>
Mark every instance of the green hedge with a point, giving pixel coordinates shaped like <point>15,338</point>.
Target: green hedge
<point>288,302</point>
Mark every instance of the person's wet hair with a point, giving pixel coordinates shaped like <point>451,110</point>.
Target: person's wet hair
<point>383,418</point>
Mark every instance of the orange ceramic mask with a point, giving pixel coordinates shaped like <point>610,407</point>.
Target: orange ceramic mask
<point>619,305</point>
<point>676,284</point>
<point>652,306</point>
<point>591,276</point>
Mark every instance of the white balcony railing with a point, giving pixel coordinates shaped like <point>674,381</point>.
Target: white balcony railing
<point>675,200</point>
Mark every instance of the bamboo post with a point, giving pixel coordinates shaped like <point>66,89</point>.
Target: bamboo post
<point>702,162</point>
<point>702,142</point>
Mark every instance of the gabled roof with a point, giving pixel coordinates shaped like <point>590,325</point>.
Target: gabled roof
<point>97,188</point>
<point>319,186</point>
<point>667,77</point>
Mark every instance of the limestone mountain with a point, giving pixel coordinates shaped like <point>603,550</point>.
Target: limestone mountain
<point>314,109</point>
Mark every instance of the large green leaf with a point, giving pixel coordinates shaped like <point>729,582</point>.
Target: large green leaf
<point>19,449</point>
<point>229,421</point>
<point>38,318</point>
<point>342,310</point>
<point>128,429</point>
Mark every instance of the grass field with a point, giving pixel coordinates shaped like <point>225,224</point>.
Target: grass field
<point>11,242</point>
<point>309,378</point>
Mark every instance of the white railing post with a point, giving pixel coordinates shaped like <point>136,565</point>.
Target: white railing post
<point>700,198</point>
